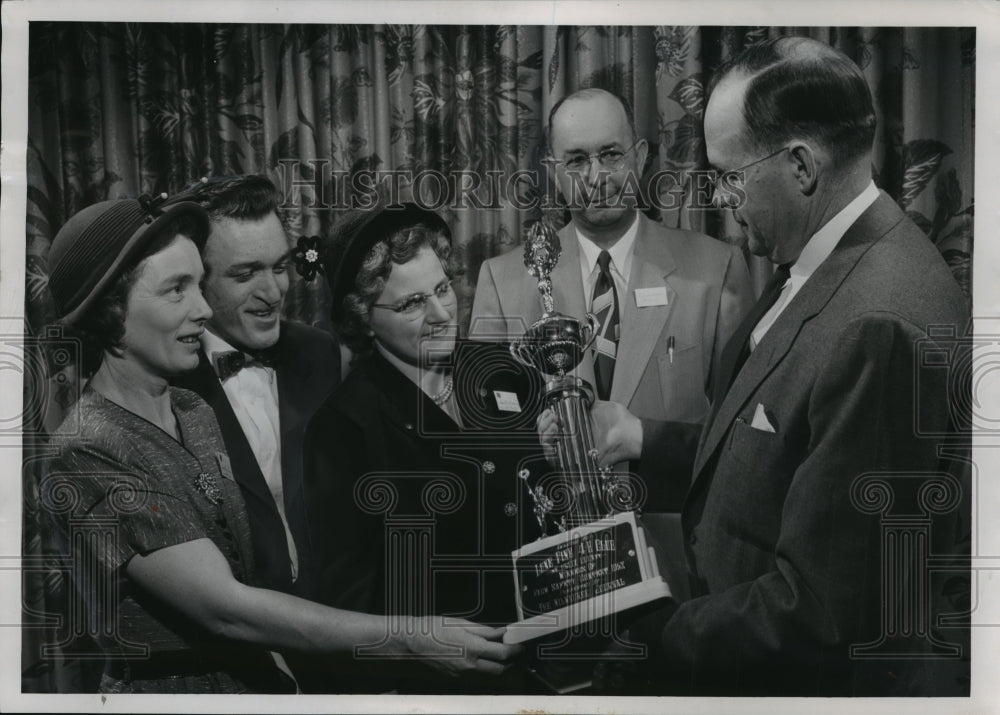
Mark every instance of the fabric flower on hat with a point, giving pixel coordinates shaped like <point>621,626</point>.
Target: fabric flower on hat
<point>307,257</point>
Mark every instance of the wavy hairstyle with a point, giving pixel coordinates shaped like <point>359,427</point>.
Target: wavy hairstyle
<point>399,247</point>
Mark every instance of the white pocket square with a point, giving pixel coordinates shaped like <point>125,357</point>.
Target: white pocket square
<point>762,420</point>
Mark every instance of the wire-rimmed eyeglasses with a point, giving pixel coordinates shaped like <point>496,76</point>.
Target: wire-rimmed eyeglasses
<point>414,304</point>
<point>610,159</point>
<point>723,195</point>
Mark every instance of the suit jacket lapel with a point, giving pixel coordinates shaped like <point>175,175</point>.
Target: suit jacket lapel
<point>641,327</point>
<point>567,291</point>
<point>294,382</point>
<point>815,294</point>
<point>409,406</point>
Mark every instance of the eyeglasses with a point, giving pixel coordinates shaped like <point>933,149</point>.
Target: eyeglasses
<point>610,159</point>
<point>723,195</point>
<point>413,305</point>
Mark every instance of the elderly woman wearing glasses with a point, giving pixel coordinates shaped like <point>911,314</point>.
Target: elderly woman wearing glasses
<point>412,465</point>
<point>145,496</point>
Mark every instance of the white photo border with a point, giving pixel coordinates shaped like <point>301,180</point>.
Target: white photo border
<point>983,15</point>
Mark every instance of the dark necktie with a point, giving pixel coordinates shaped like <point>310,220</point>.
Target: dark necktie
<point>230,362</point>
<point>737,350</point>
<point>605,307</point>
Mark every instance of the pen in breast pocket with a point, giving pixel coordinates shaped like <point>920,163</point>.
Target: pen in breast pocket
<point>670,349</point>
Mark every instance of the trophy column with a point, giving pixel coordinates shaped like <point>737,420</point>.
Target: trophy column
<point>572,585</point>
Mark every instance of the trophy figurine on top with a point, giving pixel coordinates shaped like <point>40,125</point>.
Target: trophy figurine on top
<point>598,564</point>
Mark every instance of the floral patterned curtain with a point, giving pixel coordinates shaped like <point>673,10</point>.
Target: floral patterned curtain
<point>116,109</point>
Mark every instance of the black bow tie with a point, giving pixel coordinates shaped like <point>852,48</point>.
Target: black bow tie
<point>230,362</point>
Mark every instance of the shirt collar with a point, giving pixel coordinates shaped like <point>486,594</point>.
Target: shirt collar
<point>819,247</point>
<point>621,252</point>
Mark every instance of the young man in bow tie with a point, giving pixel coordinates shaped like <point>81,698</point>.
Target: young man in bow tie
<point>263,376</point>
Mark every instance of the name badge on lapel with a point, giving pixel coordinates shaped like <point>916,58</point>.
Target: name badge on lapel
<point>648,297</point>
<point>225,468</point>
<point>507,401</point>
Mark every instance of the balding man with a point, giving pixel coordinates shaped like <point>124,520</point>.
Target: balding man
<point>822,407</point>
<point>667,299</point>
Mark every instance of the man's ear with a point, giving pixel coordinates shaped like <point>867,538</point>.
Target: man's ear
<point>805,164</point>
<point>641,150</point>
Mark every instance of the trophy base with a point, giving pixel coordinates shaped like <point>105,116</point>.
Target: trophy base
<point>569,662</point>
<point>593,609</point>
<point>587,575</point>
<point>565,644</point>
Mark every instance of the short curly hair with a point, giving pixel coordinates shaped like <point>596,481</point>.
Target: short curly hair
<point>102,328</point>
<point>395,249</point>
<point>245,198</point>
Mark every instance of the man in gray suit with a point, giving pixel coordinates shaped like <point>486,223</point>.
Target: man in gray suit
<point>823,406</point>
<point>667,299</point>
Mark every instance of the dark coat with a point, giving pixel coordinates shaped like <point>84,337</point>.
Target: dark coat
<point>383,458</point>
<point>308,369</point>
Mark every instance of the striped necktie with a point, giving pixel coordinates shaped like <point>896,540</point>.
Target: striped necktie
<point>605,307</point>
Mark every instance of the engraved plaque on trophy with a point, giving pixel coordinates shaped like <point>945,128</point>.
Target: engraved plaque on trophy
<point>597,564</point>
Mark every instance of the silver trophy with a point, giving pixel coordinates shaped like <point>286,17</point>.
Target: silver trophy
<point>555,345</point>
<point>599,563</point>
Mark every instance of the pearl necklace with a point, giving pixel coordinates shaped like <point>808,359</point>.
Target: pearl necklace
<point>445,394</point>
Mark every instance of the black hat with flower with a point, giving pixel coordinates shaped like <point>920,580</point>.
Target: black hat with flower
<point>308,257</point>
<point>360,229</point>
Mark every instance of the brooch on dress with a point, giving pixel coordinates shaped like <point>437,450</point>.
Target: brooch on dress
<point>205,483</point>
